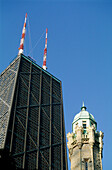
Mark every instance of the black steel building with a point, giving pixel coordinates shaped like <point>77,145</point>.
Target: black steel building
<point>31,116</point>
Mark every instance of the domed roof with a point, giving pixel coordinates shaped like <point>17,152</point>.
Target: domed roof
<point>83,114</point>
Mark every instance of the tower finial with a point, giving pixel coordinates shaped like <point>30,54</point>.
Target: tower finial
<point>23,37</point>
<point>45,52</point>
<point>83,106</point>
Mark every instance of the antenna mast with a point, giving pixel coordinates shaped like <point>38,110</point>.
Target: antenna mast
<point>45,52</point>
<point>23,37</point>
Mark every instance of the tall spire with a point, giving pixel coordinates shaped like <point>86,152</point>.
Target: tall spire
<point>23,37</point>
<point>45,52</point>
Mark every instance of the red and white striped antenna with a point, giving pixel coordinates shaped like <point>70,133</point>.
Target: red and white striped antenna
<point>45,52</point>
<point>23,37</point>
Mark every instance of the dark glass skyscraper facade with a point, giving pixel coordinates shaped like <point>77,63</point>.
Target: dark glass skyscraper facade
<point>31,116</point>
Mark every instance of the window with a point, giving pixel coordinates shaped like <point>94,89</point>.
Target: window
<point>86,165</point>
<point>84,124</point>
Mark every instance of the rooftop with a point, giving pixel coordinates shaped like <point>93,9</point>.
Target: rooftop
<point>33,62</point>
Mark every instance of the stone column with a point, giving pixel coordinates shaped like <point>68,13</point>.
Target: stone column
<point>92,141</point>
<point>80,159</point>
<point>101,146</point>
<point>79,131</point>
<point>92,157</point>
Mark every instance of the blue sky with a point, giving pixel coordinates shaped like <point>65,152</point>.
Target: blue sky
<point>79,52</point>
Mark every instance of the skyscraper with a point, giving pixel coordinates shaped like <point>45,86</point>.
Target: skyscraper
<point>85,143</point>
<point>31,116</point>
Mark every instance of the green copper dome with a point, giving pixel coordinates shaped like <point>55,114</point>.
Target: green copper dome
<point>83,114</point>
<point>83,118</point>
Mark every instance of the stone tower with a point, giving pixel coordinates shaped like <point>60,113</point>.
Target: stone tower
<point>85,143</point>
